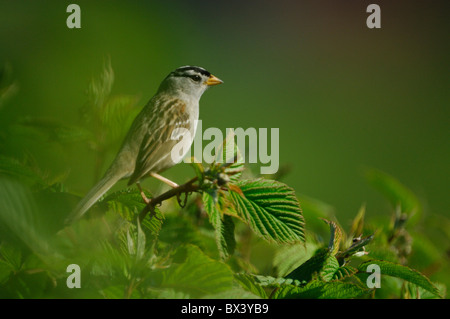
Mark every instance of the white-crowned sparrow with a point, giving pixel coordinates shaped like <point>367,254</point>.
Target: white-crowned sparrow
<point>171,113</point>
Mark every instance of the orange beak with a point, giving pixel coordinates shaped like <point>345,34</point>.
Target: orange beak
<point>212,80</point>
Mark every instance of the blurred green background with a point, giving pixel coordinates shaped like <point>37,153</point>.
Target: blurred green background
<point>345,97</point>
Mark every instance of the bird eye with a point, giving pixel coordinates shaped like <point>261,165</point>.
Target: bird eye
<point>196,78</point>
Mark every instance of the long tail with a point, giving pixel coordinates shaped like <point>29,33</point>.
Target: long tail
<point>94,194</point>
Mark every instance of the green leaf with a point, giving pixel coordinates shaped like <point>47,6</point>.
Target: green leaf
<point>100,89</point>
<point>231,154</point>
<point>135,240</point>
<point>321,290</point>
<point>131,247</point>
<point>20,218</point>
<point>330,267</point>
<point>289,257</point>
<point>306,271</point>
<point>181,229</point>
<point>10,256</point>
<point>332,271</point>
<point>128,203</point>
<point>249,283</point>
<point>223,226</point>
<point>108,116</point>
<point>140,241</point>
<point>271,210</point>
<point>113,292</point>
<point>272,282</point>
<point>412,291</point>
<point>195,274</point>
<point>344,272</point>
<point>400,271</point>
<point>11,167</point>
<point>336,236</point>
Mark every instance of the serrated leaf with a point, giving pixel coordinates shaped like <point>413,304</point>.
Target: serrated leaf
<point>344,272</point>
<point>11,167</point>
<point>128,203</point>
<point>249,283</point>
<point>99,89</point>
<point>400,271</point>
<point>271,209</point>
<point>113,292</point>
<point>329,268</point>
<point>223,226</point>
<point>11,257</point>
<point>273,282</point>
<point>20,218</point>
<point>140,241</point>
<point>306,271</point>
<point>321,290</point>
<point>227,235</point>
<point>332,271</point>
<point>412,291</point>
<point>195,274</point>
<point>335,236</point>
<point>130,244</point>
<point>180,229</point>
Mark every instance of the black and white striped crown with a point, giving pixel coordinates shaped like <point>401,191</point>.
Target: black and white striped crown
<point>188,71</point>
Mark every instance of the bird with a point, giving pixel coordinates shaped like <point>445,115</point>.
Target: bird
<point>168,120</point>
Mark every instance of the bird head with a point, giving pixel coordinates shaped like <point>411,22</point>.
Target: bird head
<point>190,80</point>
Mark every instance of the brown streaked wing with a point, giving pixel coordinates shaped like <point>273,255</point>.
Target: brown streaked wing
<point>157,144</point>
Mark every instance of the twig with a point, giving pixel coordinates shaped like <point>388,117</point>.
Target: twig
<point>187,187</point>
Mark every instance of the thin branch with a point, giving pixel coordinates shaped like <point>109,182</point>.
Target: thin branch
<point>187,187</point>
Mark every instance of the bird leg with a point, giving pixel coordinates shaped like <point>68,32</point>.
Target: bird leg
<point>164,180</point>
<point>145,198</point>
